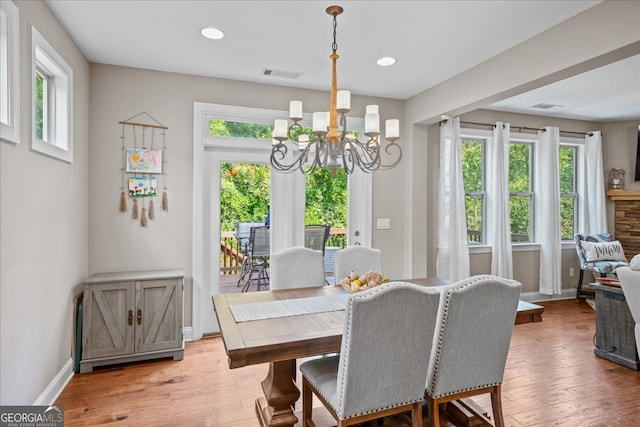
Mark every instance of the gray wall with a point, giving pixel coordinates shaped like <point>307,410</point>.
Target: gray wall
<point>44,229</point>
<point>117,242</point>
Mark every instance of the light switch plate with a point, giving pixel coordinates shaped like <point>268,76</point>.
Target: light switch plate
<point>384,223</point>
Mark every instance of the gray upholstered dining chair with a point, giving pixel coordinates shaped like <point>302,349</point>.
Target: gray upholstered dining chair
<point>383,359</point>
<point>296,267</point>
<point>473,335</point>
<point>359,259</point>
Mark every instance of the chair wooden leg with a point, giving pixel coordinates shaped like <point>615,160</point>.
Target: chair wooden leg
<point>416,415</point>
<point>496,405</point>
<point>306,403</point>
<point>434,412</point>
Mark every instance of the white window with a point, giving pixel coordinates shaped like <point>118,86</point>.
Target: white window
<point>9,76</point>
<point>52,100</point>
<point>473,176</point>
<point>474,145</point>
<point>568,191</point>
<point>521,191</point>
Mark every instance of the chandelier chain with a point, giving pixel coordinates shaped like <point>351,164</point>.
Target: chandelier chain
<point>334,46</point>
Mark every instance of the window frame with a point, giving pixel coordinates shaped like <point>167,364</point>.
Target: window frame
<point>57,138</point>
<point>10,83</point>
<point>577,145</point>
<point>526,140</point>
<point>483,140</point>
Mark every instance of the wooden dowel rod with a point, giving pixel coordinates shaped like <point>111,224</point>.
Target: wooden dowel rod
<point>124,122</point>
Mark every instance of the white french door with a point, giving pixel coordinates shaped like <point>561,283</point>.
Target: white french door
<point>287,202</point>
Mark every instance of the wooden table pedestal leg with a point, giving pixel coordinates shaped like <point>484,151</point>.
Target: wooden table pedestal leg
<point>280,395</point>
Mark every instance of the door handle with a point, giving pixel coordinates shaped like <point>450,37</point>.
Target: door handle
<point>130,317</point>
<point>139,316</point>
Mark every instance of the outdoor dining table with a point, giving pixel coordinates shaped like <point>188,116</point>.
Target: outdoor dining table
<point>278,327</point>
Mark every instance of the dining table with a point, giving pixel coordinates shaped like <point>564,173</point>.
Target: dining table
<point>278,327</point>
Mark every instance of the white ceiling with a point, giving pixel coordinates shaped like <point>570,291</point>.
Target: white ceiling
<point>296,36</point>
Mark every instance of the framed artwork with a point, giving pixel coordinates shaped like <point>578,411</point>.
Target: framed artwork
<point>143,186</point>
<point>140,160</point>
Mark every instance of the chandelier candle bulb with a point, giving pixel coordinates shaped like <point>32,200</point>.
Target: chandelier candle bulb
<point>392,129</point>
<point>295,110</point>
<point>320,122</point>
<point>343,104</point>
<point>372,123</point>
<point>303,141</point>
<point>280,129</point>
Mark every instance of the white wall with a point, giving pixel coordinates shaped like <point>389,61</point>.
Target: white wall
<point>43,228</point>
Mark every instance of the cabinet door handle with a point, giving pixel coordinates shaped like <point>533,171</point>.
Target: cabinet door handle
<point>139,316</point>
<point>130,317</point>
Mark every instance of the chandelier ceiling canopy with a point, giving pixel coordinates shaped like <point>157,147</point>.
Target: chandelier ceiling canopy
<point>330,145</point>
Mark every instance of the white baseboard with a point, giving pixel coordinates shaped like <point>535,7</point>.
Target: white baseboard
<point>55,387</point>
<point>538,297</point>
<point>187,331</point>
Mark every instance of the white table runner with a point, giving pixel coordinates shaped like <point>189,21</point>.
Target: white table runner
<point>289,307</point>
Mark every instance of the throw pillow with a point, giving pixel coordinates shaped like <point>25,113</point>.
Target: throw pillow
<point>603,251</point>
<point>635,263</point>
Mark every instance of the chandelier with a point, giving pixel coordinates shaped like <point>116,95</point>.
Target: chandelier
<point>330,146</point>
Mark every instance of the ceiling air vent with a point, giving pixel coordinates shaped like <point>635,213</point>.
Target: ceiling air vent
<point>544,106</point>
<point>292,75</point>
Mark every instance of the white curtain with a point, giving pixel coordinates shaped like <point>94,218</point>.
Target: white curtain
<point>453,248</point>
<point>498,202</point>
<point>547,210</point>
<point>592,206</point>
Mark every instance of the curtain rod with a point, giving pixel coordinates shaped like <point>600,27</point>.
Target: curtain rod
<point>521,128</point>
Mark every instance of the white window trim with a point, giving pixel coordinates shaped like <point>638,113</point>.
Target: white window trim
<point>60,104</point>
<point>10,131</point>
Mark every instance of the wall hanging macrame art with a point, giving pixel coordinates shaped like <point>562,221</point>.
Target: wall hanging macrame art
<point>143,165</point>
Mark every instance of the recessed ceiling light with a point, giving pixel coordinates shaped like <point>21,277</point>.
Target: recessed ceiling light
<point>385,61</point>
<point>212,33</point>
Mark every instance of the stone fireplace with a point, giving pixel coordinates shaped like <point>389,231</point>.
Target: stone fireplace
<point>627,220</point>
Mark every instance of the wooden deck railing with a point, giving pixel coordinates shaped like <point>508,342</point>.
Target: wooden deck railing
<point>474,236</point>
<point>231,256</point>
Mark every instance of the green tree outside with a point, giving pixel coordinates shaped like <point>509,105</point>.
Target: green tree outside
<point>245,188</point>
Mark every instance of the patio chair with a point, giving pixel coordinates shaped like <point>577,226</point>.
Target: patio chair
<point>382,364</point>
<point>595,260</point>
<point>242,234</point>
<point>258,252</point>
<point>474,330</point>
<point>316,236</point>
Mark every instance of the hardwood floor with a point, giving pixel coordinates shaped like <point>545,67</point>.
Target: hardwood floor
<point>552,378</point>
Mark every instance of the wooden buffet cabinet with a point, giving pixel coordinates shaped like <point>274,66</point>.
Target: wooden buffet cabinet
<point>132,316</point>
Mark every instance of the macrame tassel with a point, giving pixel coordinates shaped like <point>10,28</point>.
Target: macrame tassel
<point>134,210</point>
<point>143,218</point>
<point>151,212</point>
<point>165,202</point>
<point>123,202</point>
